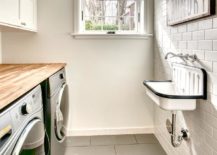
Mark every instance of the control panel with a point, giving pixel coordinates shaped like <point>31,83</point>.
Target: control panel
<point>26,106</point>
<point>56,81</point>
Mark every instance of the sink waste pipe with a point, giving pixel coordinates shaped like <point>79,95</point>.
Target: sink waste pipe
<point>176,140</point>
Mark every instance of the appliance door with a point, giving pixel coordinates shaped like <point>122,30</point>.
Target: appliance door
<point>58,117</point>
<point>26,135</point>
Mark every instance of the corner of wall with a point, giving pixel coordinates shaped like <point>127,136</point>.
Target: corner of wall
<point>150,17</point>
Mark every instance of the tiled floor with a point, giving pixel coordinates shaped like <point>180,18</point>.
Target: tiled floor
<point>114,145</point>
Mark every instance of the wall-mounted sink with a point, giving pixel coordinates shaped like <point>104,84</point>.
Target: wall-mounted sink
<point>188,84</point>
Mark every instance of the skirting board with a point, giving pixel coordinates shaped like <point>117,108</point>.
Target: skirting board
<point>109,131</point>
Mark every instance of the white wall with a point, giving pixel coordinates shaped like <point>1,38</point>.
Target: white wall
<point>104,76</point>
<point>199,37</point>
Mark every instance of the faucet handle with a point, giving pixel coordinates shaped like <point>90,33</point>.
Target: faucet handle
<point>193,57</point>
<point>180,54</point>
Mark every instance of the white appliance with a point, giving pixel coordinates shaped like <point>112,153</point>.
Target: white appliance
<point>54,90</point>
<point>22,126</point>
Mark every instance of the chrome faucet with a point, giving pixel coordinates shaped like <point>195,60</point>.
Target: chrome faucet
<point>180,55</point>
<point>193,57</point>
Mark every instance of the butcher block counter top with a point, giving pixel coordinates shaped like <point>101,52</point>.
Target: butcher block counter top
<point>17,79</point>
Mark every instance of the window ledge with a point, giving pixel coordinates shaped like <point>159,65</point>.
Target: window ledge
<point>110,36</point>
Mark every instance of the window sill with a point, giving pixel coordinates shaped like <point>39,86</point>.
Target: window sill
<point>111,36</point>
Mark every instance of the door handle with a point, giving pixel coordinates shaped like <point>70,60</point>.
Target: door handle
<point>59,116</point>
<point>6,132</point>
<point>61,94</point>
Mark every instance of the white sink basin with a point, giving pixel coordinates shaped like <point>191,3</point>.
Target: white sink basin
<point>165,95</point>
<point>189,84</point>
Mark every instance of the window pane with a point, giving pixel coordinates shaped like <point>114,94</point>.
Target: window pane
<point>92,8</point>
<point>110,15</point>
<point>127,7</point>
<point>93,24</point>
<point>110,23</point>
<point>127,24</point>
<point>110,8</point>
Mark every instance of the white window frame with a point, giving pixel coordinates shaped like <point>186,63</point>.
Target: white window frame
<point>142,24</point>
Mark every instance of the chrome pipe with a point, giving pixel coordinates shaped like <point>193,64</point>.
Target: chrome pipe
<point>176,140</point>
<point>192,58</point>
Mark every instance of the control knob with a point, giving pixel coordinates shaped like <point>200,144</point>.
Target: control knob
<point>26,109</point>
<point>61,76</point>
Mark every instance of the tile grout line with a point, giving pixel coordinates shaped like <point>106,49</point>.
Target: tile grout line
<point>90,141</point>
<point>135,139</point>
<point>115,150</point>
<point>114,145</point>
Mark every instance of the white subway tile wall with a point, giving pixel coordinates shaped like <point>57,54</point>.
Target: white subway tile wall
<point>215,45</point>
<point>205,24</point>
<point>198,37</point>
<point>114,145</point>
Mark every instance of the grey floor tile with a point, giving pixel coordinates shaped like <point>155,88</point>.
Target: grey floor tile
<point>77,141</point>
<point>91,150</point>
<point>112,140</point>
<point>146,138</point>
<point>139,149</point>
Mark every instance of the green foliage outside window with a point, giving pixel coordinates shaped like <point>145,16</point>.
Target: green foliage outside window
<point>92,26</point>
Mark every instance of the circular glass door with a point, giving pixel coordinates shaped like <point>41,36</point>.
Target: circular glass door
<point>27,136</point>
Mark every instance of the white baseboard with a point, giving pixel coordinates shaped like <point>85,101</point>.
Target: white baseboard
<point>109,131</point>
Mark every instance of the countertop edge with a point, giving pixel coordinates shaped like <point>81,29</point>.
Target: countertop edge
<point>50,68</point>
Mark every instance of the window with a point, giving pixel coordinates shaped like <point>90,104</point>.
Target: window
<point>111,17</point>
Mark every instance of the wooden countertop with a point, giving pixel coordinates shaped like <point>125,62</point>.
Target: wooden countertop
<point>17,79</point>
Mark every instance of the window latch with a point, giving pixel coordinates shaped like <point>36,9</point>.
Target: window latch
<point>139,16</point>
<point>82,15</point>
<point>111,32</point>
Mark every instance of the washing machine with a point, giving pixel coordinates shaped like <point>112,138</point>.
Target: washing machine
<point>22,126</point>
<point>54,90</point>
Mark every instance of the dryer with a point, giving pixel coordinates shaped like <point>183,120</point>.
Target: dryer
<point>54,90</point>
<point>22,126</point>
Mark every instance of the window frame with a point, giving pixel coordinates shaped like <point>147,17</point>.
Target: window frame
<point>142,24</point>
